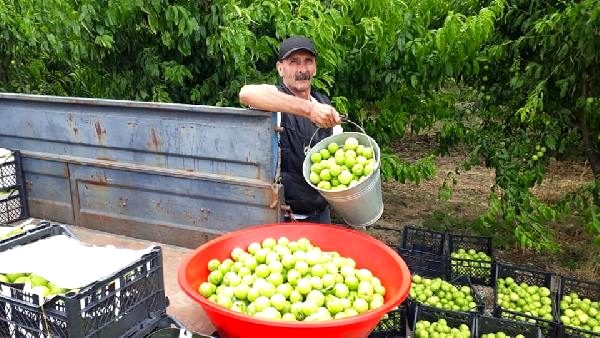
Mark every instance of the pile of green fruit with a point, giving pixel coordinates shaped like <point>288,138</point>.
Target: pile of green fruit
<point>441,294</point>
<point>472,258</point>
<point>500,334</point>
<point>338,168</point>
<point>425,329</point>
<point>35,284</point>
<point>479,261</point>
<point>580,313</point>
<point>14,232</point>
<point>531,300</point>
<point>291,280</point>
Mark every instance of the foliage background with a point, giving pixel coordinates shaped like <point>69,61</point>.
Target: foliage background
<point>513,81</point>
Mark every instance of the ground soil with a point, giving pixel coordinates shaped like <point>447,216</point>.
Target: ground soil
<point>406,204</point>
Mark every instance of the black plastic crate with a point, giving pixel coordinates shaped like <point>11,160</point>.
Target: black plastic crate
<point>43,230</point>
<point>480,272</point>
<point>424,264</point>
<point>111,307</point>
<point>166,327</point>
<point>40,225</point>
<point>412,304</point>
<point>423,240</point>
<point>572,332</point>
<point>453,318</point>
<point>549,328</point>
<point>392,325</point>
<point>520,274</point>
<point>13,198</point>
<point>584,289</point>
<point>510,327</point>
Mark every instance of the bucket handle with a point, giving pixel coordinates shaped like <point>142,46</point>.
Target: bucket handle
<point>344,120</point>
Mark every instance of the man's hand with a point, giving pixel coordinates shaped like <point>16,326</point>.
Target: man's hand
<point>324,115</point>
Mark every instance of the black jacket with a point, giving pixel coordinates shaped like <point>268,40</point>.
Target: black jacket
<point>301,197</point>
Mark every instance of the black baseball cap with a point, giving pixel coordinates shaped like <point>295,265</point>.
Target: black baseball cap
<point>295,43</point>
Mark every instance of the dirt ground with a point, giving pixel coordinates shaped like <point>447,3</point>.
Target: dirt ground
<point>410,204</point>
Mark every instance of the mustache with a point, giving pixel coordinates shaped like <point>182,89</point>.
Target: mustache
<point>302,76</point>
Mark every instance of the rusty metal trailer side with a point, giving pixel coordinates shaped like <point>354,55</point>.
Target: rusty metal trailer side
<point>171,173</point>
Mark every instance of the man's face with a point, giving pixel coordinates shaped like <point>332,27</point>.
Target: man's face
<point>297,70</point>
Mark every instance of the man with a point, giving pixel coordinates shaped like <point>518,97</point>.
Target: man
<point>303,112</point>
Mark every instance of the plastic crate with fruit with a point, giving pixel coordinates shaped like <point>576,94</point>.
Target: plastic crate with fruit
<point>13,199</point>
<point>430,322</point>
<point>579,307</point>
<point>453,296</point>
<point>392,325</point>
<point>471,256</point>
<point>505,328</point>
<point>124,303</point>
<point>524,294</point>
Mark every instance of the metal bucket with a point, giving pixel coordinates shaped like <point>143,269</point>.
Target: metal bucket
<point>361,205</point>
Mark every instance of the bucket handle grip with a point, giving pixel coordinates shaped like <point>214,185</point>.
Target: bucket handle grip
<point>345,119</point>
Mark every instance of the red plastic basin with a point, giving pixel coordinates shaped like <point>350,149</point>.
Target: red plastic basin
<point>365,250</point>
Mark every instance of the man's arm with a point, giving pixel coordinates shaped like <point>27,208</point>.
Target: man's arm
<point>268,98</point>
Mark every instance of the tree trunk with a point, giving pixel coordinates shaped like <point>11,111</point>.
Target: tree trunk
<point>592,156</point>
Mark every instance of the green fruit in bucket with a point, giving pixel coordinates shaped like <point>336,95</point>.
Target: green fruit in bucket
<point>325,154</point>
<point>345,177</point>
<point>310,295</point>
<point>350,162</point>
<point>324,185</point>
<point>314,178</point>
<point>368,169</point>
<point>215,277</point>
<point>351,143</point>
<point>316,168</point>
<point>333,147</point>
<point>368,152</point>
<point>335,170</point>
<point>325,175</point>
<point>213,264</point>
<point>350,154</point>
<point>357,169</point>
<point>207,289</point>
<point>315,157</point>
<point>360,149</point>
<point>332,162</point>
<point>340,156</point>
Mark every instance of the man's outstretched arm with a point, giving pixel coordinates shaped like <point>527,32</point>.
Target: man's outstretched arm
<point>269,98</point>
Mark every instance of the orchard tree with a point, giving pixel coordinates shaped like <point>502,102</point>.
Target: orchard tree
<point>514,80</point>
<point>538,99</point>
